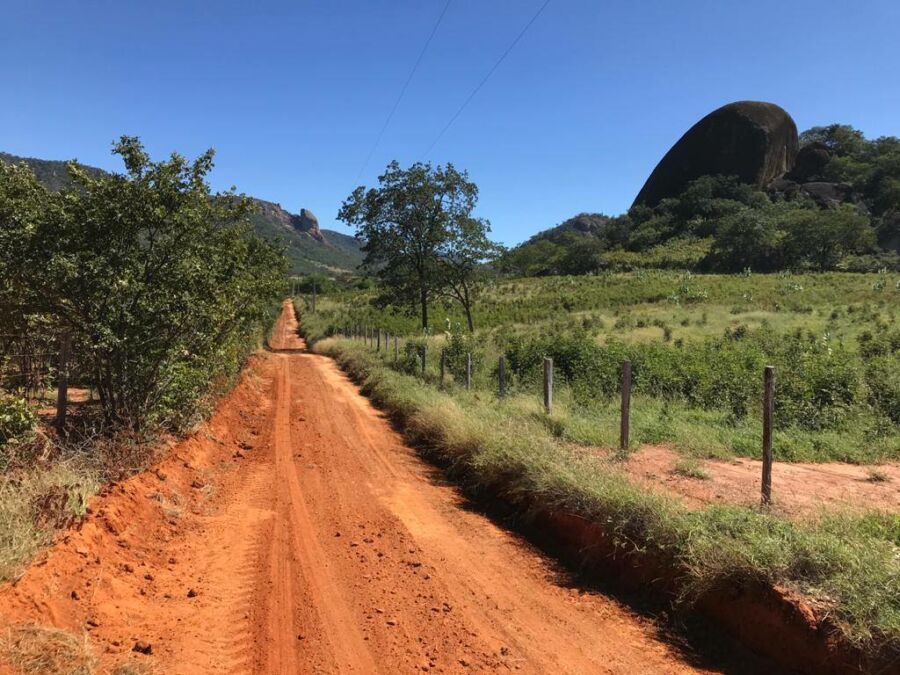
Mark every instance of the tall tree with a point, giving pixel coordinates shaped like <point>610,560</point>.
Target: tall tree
<point>462,263</point>
<point>418,232</point>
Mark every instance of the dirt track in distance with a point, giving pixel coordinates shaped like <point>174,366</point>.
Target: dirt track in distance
<point>297,533</point>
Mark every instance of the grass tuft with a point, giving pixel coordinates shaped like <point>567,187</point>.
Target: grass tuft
<point>689,467</point>
<point>35,503</point>
<point>40,650</point>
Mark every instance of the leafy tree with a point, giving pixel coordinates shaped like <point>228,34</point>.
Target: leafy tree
<point>540,258</point>
<point>421,240</point>
<point>462,263</point>
<point>746,239</point>
<point>23,203</point>
<point>160,281</point>
<point>820,238</point>
<point>842,139</point>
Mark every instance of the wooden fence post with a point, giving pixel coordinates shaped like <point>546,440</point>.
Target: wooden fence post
<point>501,372</point>
<point>626,405</point>
<point>548,385</point>
<point>378,346</point>
<point>468,371</point>
<point>62,382</point>
<point>424,358</point>
<point>443,365</point>
<point>768,418</point>
<point>396,349</point>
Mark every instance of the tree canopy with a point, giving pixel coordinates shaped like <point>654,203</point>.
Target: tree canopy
<point>420,237</point>
<point>152,274</point>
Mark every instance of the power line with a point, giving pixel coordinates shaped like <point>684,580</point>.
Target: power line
<point>403,90</point>
<point>486,78</point>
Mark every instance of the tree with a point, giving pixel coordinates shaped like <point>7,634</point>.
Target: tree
<point>158,279</point>
<point>461,263</point>
<point>745,239</point>
<point>820,238</point>
<point>420,238</point>
<point>23,203</point>
<point>841,139</point>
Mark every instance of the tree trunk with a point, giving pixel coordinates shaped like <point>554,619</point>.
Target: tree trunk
<point>423,297</point>
<point>467,304</point>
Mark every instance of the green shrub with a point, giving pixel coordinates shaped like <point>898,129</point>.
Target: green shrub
<point>883,379</point>
<point>817,381</point>
<point>17,419</point>
<point>458,345</point>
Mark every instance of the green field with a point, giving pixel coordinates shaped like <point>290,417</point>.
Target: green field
<point>698,344</point>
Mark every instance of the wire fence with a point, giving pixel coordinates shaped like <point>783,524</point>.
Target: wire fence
<point>380,340</point>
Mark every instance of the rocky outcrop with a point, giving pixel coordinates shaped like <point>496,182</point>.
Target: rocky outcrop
<point>273,213</point>
<point>810,163</point>
<point>307,222</point>
<point>753,140</point>
<point>824,194</point>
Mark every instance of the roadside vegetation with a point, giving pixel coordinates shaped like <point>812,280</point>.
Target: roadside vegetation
<point>160,290</point>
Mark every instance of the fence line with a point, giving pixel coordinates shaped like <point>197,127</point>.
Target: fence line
<point>625,389</point>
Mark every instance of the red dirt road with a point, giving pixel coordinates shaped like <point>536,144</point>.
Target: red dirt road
<point>296,533</point>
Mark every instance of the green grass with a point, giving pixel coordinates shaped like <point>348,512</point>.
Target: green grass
<point>694,389</point>
<point>841,303</point>
<point>690,468</point>
<point>850,564</point>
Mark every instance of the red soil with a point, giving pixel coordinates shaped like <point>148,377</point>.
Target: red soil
<point>797,489</point>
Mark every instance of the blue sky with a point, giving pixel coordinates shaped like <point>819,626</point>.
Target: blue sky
<point>292,94</point>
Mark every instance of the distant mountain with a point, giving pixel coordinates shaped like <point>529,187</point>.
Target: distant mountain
<point>308,248</point>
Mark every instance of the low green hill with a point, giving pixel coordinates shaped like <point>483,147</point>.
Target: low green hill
<point>308,248</point>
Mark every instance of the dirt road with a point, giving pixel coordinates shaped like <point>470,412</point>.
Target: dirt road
<point>296,533</point>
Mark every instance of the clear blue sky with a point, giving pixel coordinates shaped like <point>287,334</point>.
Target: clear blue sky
<point>292,94</point>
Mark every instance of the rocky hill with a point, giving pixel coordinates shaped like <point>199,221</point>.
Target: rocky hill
<point>308,247</point>
<point>741,189</point>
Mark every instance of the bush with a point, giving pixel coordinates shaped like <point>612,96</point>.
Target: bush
<point>817,381</point>
<point>883,379</point>
<point>17,419</point>
<point>152,273</point>
<point>458,345</point>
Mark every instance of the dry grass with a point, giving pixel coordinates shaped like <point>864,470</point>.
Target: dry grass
<point>690,468</point>
<point>133,667</point>
<point>35,504</point>
<point>874,475</point>
<point>38,650</point>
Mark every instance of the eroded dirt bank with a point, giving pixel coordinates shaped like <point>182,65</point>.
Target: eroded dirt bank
<point>296,533</point>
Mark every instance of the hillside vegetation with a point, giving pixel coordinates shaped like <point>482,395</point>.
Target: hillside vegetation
<point>335,254</point>
<point>845,215</point>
